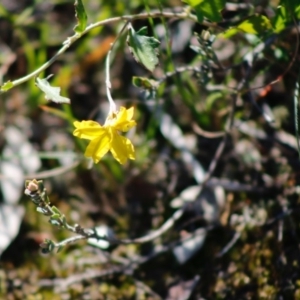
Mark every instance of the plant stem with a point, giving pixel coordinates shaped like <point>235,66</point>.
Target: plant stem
<point>128,18</point>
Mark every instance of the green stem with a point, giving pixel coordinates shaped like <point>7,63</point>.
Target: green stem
<point>129,18</point>
<point>112,103</point>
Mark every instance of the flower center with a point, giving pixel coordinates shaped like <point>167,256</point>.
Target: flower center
<point>110,120</point>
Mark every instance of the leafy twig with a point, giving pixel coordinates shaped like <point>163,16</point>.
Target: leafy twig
<point>38,194</point>
<point>71,40</point>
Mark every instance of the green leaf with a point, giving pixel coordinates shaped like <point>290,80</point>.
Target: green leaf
<point>81,17</point>
<point>297,12</point>
<point>143,48</point>
<point>144,83</point>
<point>51,93</point>
<point>50,244</point>
<point>255,24</point>
<point>56,210</point>
<point>55,217</point>
<point>209,9</point>
<point>7,86</point>
<point>285,12</point>
<point>292,7</point>
<point>193,3</point>
<point>280,19</point>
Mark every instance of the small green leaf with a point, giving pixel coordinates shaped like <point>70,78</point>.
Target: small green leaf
<point>144,83</point>
<point>47,246</point>
<point>293,8</point>
<point>286,13</point>
<point>55,217</point>
<point>229,33</point>
<point>297,12</point>
<point>143,48</point>
<point>81,17</point>
<point>55,220</point>
<point>255,24</point>
<point>209,9</point>
<point>56,210</point>
<point>51,93</point>
<point>51,244</point>
<point>280,19</point>
<point>64,220</point>
<point>7,86</point>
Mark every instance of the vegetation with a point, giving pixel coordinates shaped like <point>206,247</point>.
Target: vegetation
<point>149,149</point>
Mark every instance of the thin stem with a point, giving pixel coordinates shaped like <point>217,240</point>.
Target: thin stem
<point>153,235</point>
<point>87,233</point>
<point>107,69</point>
<point>129,18</point>
<point>70,240</point>
<point>40,69</point>
<point>112,103</point>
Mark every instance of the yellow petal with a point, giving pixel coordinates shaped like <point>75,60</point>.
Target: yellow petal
<point>123,120</point>
<point>130,113</point>
<point>88,129</point>
<point>122,148</point>
<point>98,147</point>
<point>125,126</point>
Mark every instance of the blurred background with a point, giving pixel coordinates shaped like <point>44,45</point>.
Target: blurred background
<point>210,115</point>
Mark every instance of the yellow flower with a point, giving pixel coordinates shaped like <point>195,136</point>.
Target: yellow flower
<point>107,137</point>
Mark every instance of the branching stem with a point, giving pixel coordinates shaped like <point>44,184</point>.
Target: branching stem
<point>127,18</point>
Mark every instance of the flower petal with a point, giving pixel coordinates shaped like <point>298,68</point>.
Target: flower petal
<point>123,120</point>
<point>122,148</point>
<point>88,129</point>
<point>130,113</point>
<point>98,147</point>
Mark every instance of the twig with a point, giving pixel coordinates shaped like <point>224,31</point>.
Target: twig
<point>221,147</point>
<point>145,288</point>
<point>178,70</point>
<point>89,233</point>
<point>128,268</point>
<point>234,239</point>
<point>210,135</point>
<point>260,47</point>
<point>129,265</point>
<point>70,240</point>
<point>62,283</point>
<point>128,18</point>
<point>153,235</point>
<point>38,194</point>
<point>230,121</point>
<point>53,172</point>
<point>235,186</point>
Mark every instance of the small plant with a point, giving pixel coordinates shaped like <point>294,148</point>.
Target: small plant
<point>199,105</point>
